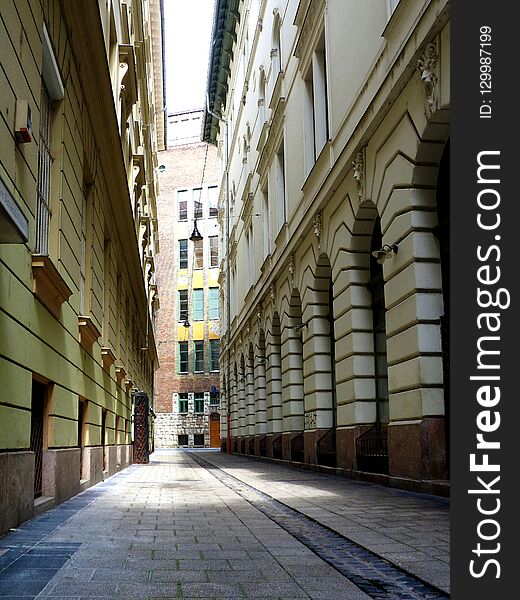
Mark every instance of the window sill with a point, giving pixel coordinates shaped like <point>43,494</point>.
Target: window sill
<point>48,285</point>
<point>88,333</point>
<point>108,358</point>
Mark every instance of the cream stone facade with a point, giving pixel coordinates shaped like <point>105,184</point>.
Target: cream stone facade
<point>332,124</point>
<point>78,235</point>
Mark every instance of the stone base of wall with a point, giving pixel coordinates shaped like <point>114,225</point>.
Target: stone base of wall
<point>17,489</point>
<point>92,466</point>
<point>417,449</point>
<point>61,473</point>
<point>310,442</point>
<point>346,445</point>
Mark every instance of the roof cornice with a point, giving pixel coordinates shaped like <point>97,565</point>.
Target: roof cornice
<point>223,37</point>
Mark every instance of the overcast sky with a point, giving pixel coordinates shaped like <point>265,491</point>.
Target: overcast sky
<point>188,25</point>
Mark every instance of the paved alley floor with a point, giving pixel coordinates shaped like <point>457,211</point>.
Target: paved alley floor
<point>207,525</point>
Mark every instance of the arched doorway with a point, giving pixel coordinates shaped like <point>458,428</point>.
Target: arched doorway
<point>372,446</point>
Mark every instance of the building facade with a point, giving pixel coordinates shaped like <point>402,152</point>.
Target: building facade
<point>331,120</point>
<point>78,235</point>
<point>188,321</point>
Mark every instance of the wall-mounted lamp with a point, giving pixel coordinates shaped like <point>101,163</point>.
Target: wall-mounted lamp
<point>186,323</point>
<point>162,168</point>
<point>385,252</point>
<point>195,235</point>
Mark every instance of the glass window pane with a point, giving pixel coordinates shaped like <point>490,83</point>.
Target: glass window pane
<point>198,353</point>
<point>182,200</point>
<point>214,303</point>
<point>197,203</point>
<point>183,305</point>
<point>198,305</point>
<point>198,403</point>
<point>214,350</point>
<point>212,200</point>
<point>183,254</point>
<point>213,250</point>
<point>183,357</point>
<point>198,258</point>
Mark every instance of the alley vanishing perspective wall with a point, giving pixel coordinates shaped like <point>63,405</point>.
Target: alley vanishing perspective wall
<point>78,237</point>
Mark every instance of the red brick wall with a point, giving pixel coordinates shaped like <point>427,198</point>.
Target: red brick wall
<point>184,166</point>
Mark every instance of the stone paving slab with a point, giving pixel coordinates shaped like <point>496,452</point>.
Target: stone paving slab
<point>143,536</point>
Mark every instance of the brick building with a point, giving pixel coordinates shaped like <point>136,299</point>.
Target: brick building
<point>187,382</point>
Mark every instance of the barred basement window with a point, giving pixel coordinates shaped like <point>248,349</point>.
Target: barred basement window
<point>183,254</point>
<point>182,439</point>
<point>214,352</point>
<point>183,305</point>
<point>198,352</point>
<point>199,402</point>
<point>183,403</point>
<point>198,439</point>
<point>183,357</point>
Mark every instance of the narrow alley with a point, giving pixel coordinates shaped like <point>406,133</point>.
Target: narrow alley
<point>205,524</point>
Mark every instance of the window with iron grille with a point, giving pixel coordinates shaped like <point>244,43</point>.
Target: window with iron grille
<point>198,258</point>
<point>214,352</point>
<point>213,200</point>
<point>44,174</point>
<point>197,203</point>
<point>183,305</point>
<point>183,403</point>
<point>198,304</point>
<point>183,254</point>
<point>199,402</point>
<point>214,303</point>
<point>183,357</point>
<point>182,439</point>
<point>198,439</point>
<point>182,202</point>
<point>198,354</point>
<point>213,251</point>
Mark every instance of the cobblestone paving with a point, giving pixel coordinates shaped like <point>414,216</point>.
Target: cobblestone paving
<point>171,530</point>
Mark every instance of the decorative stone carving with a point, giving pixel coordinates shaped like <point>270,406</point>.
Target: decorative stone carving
<point>359,173</point>
<point>427,66</point>
<point>317,230</point>
<point>291,269</point>
<point>272,293</point>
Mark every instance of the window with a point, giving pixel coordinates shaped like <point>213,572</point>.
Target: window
<point>199,403</point>
<point>214,352</point>
<point>197,203</point>
<point>198,355</point>
<point>250,258</point>
<point>265,209</point>
<point>280,187</point>
<point>183,403</point>
<point>214,303</point>
<point>212,200</point>
<point>183,305</point>
<point>183,254</point>
<point>182,203</point>
<point>44,174</point>
<point>316,115</point>
<point>182,439</point>
<point>84,258</point>
<point>198,251</point>
<point>198,439</point>
<point>213,251</point>
<point>214,398</point>
<point>198,304</point>
<point>183,357</point>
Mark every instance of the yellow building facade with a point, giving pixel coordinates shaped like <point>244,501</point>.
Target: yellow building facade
<point>78,240</point>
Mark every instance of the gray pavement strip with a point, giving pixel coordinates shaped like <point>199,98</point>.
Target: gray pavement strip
<point>371,573</point>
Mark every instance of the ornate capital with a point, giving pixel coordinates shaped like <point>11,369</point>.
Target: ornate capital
<point>427,66</point>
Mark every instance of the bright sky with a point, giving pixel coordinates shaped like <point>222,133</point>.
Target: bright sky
<point>187,25</point>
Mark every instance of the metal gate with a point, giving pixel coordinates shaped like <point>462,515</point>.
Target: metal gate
<point>141,427</point>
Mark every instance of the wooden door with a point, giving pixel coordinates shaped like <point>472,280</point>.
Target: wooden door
<point>214,430</point>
